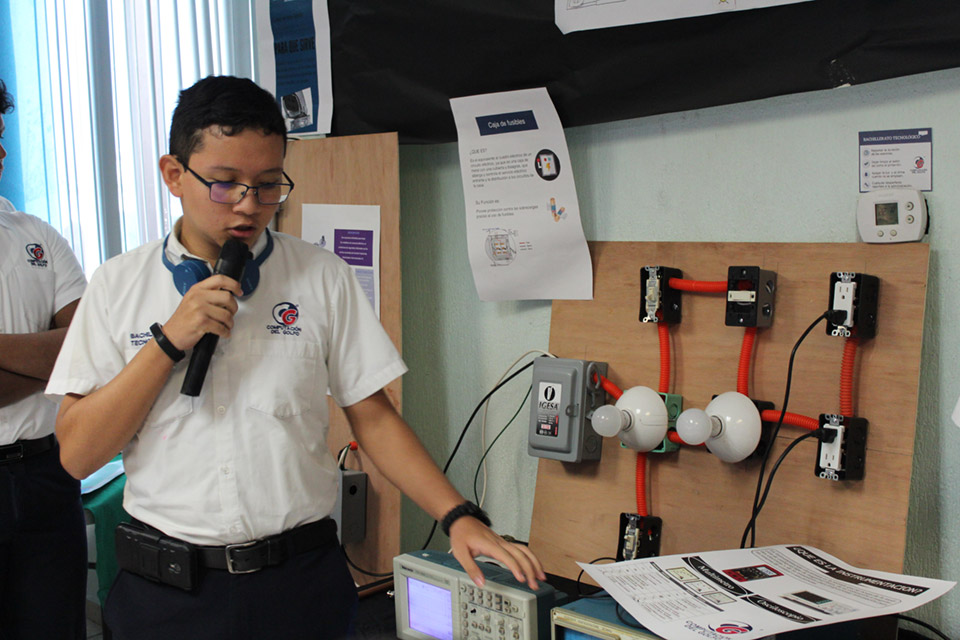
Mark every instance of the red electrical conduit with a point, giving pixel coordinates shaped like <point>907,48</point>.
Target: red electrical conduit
<point>642,484</point>
<point>612,390</point>
<point>664,333</point>
<point>794,419</point>
<point>641,467</point>
<point>846,376</point>
<point>770,415</point>
<point>746,353</point>
<point>698,286</point>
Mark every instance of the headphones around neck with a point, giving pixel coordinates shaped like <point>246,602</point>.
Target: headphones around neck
<point>193,270</point>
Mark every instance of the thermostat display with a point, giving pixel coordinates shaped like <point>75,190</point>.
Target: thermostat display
<point>893,215</point>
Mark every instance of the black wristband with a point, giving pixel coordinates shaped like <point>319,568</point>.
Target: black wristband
<point>164,343</point>
<point>465,509</point>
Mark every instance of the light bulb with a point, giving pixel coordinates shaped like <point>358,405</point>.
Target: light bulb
<point>608,421</point>
<point>694,426</point>
<point>639,418</point>
<point>730,426</point>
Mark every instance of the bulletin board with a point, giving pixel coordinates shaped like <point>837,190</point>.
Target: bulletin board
<point>361,170</point>
<point>705,503</point>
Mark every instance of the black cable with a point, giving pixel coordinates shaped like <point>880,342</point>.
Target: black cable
<point>625,621</point>
<point>476,475</point>
<point>363,571</point>
<point>751,528</point>
<point>580,576</point>
<point>773,470</point>
<point>433,528</point>
<point>339,454</point>
<point>923,624</point>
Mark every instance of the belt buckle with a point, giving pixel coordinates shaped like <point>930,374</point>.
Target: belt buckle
<point>241,545</point>
<point>7,454</point>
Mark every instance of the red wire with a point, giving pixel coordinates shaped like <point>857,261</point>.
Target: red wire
<point>746,352</point>
<point>846,375</point>
<point>664,332</point>
<point>793,419</point>
<point>642,484</point>
<point>698,286</point>
<point>612,390</point>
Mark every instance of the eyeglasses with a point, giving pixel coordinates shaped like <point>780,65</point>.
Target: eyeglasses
<point>234,192</point>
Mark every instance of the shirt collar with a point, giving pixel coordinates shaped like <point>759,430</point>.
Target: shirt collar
<point>177,253</point>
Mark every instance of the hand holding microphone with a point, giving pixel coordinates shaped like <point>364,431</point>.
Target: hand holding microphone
<point>233,256</point>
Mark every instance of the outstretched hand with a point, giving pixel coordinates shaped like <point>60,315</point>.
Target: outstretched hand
<point>470,538</point>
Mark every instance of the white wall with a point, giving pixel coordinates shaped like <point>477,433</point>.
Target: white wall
<point>782,169</point>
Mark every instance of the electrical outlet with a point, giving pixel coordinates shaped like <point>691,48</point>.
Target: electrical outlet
<point>857,295</point>
<point>842,451</point>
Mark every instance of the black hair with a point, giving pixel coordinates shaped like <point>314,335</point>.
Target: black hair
<point>6,99</point>
<point>233,104</point>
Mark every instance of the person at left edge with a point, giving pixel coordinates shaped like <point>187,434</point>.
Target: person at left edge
<point>43,548</point>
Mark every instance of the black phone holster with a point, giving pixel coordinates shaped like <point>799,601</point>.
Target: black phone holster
<point>154,556</point>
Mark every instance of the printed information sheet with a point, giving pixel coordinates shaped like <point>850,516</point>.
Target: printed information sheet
<point>753,593</point>
<point>579,15</point>
<point>896,159</point>
<point>293,47</point>
<point>353,233</point>
<point>524,237</point>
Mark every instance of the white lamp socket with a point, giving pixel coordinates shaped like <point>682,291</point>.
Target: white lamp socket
<point>639,418</point>
<point>730,426</point>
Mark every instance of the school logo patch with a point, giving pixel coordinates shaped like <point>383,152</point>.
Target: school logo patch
<point>732,628</point>
<point>285,315</point>
<point>36,253</point>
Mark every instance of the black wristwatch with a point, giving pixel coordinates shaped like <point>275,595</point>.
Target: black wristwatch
<point>164,343</point>
<point>465,509</point>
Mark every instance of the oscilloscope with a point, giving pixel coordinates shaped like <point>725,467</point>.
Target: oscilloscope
<point>436,600</point>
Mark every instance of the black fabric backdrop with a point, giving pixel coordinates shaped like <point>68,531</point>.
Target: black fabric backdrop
<point>396,63</point>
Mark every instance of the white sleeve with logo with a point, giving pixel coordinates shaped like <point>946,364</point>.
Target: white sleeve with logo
<point>70,281</point>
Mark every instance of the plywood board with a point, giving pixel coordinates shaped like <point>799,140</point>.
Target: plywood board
<point>359,170</point>
<point>705,503</point>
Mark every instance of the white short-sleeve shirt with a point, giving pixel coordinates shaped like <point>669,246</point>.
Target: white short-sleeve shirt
<point>247,458</point>
<point>39,275</point>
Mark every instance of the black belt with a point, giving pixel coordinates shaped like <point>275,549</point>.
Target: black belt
<point>248,557</point>
<point>21,449</point>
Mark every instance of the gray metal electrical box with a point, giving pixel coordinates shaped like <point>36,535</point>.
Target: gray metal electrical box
<point>565,394</point>
<point>350,511</point>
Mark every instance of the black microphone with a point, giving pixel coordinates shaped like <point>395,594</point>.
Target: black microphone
<point>233,256</point>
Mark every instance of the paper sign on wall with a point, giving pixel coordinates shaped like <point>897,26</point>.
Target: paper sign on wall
<point>353,233</point>
<point>524,237</point>
<point>293,47</point>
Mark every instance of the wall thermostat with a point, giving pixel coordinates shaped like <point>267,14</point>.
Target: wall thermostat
<point>892,215</point>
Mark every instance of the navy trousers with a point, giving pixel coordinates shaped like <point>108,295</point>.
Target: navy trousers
<point>311,595</point>
<point>43,551</point>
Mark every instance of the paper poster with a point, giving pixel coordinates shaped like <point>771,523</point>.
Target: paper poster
<point>896,159</point>
<point>293,47</point>
<point>755,593</point>
<point>353,233</point>
<point>524,236</point>
<point>579,15</point>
